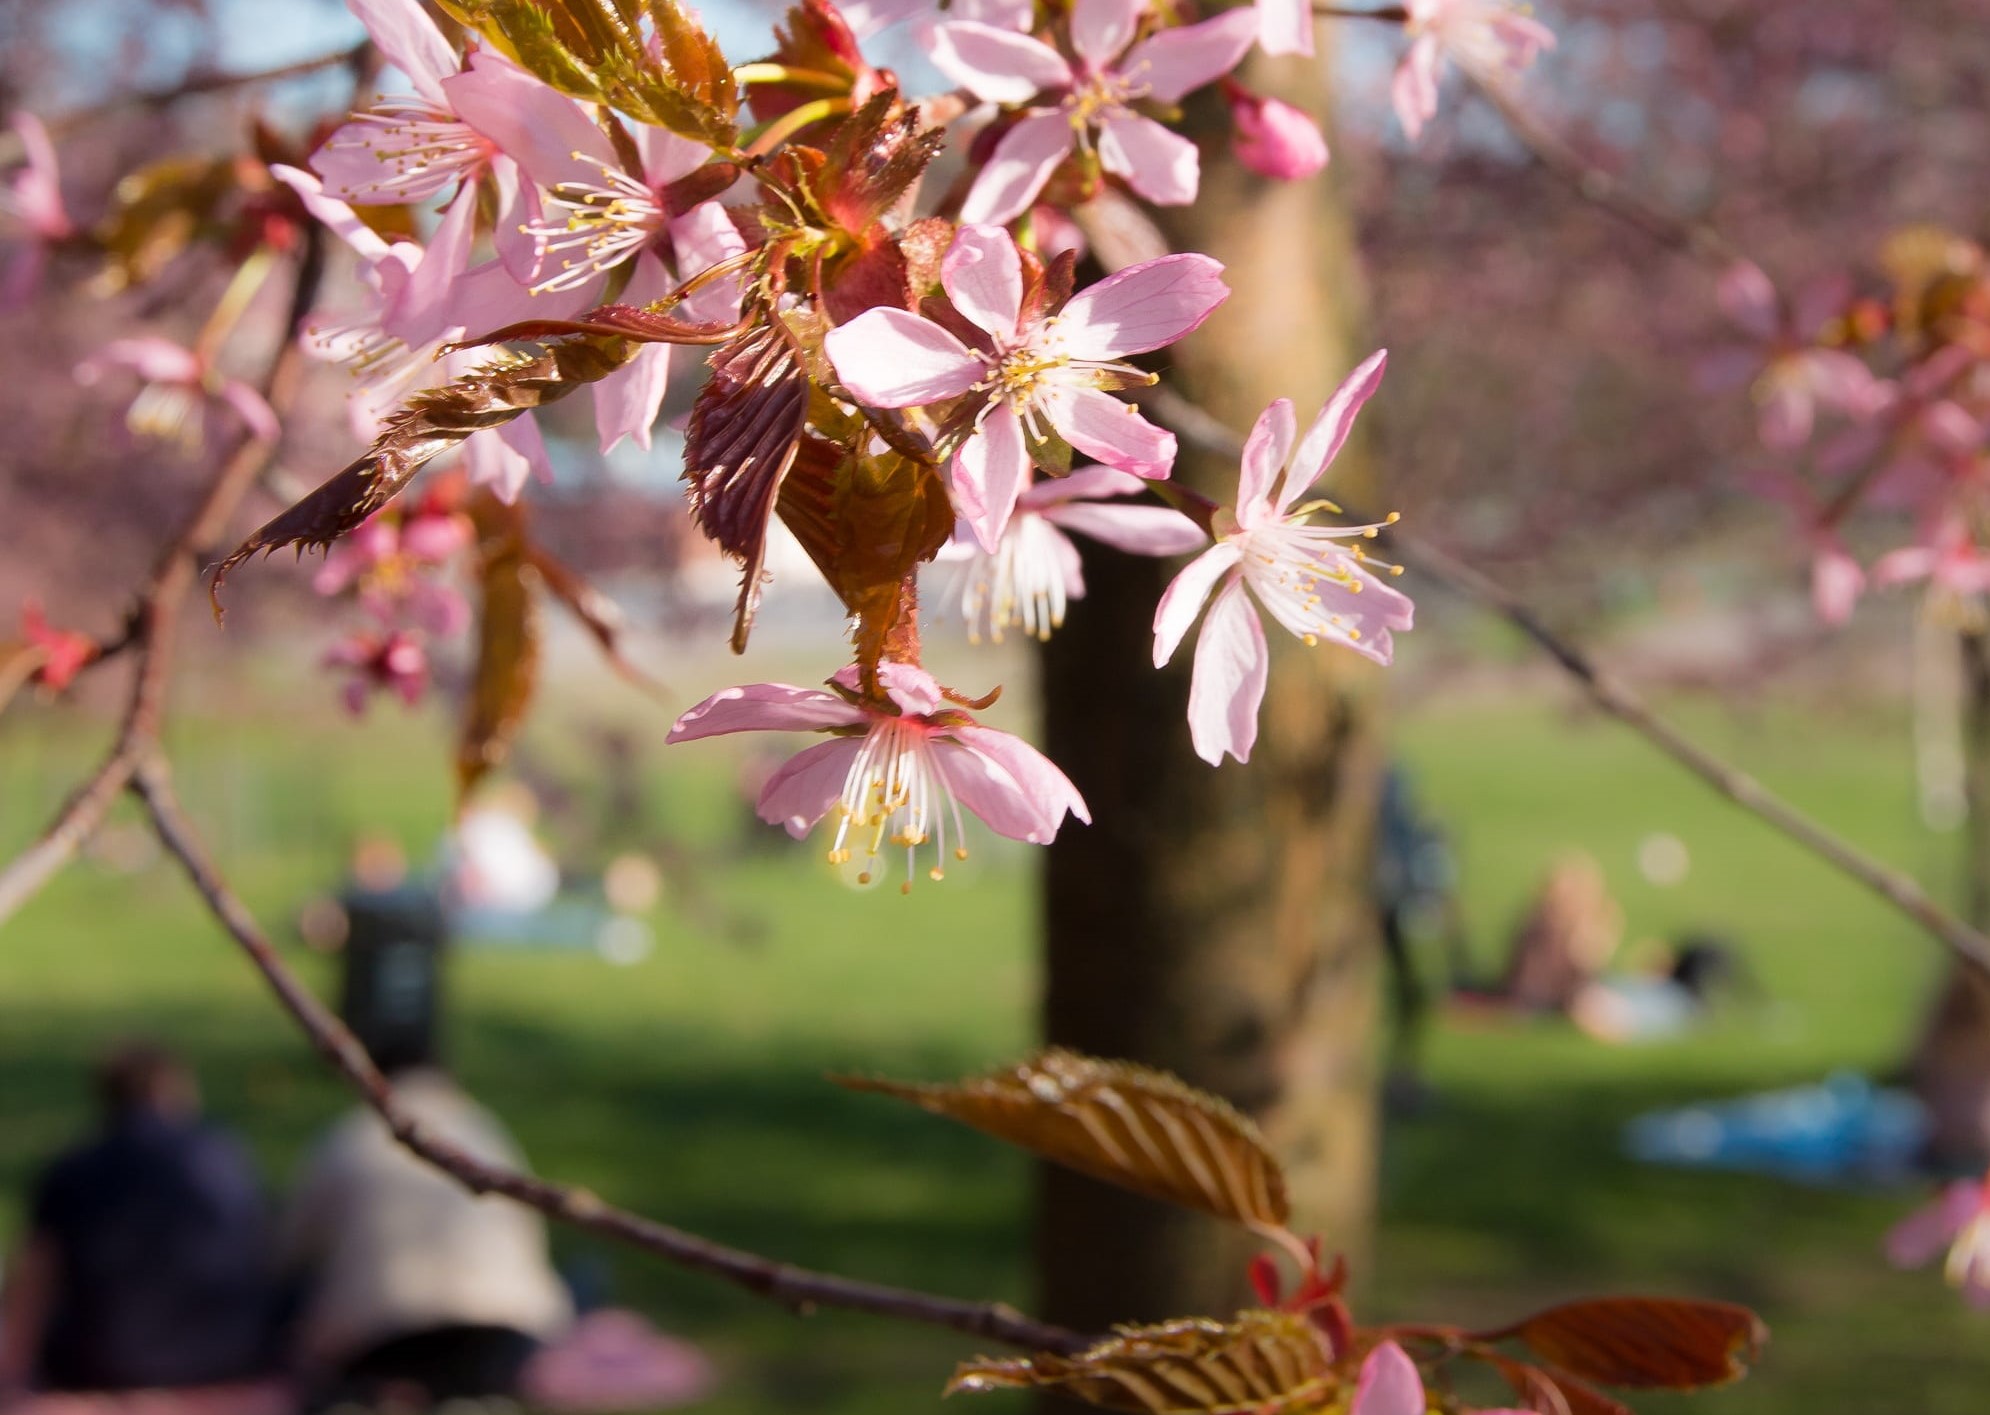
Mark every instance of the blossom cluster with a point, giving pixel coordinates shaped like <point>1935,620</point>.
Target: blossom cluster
<point>604,186</point>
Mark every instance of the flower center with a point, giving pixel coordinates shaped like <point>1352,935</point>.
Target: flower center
<point>592,227</point>
<point>894,794</point>
<point>1098,97</point>
<point>420,147</point>
<point>1022,585</point>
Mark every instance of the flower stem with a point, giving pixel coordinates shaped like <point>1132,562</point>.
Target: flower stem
<point>793,121</point>
<point>772,73</point>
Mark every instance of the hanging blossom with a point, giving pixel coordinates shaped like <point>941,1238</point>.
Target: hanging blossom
<point>394,662</point>
<point>1947,556</point>
<point>389,561</point>
<point>179,389</point>
<point>1390,1384</point>
<point>1958,1223</point>
<point>1035,572</point>
<point>31,199</point>
<point>1836,579</point>
<point>1303,575</point>
<point>1486,38</point>
<point>1789,375</point>
<point>895,772</point>
<point>1271,137</point>
<point>1030,373</point>
<point>1092,101</point>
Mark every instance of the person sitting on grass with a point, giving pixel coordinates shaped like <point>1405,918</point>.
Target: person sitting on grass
<point>146,1261</point>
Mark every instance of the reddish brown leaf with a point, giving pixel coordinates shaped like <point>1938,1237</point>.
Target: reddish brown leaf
<point>597,613</point>
<point>874,157</point>
<point>1265,1362</point>
<point>746,427</point>
<point>1644,1342</point>
<point>1127,1125</point>
<point>433,422</point>
<point>644,324</point>
<point>1552,1392</point>
<point>507,643</point>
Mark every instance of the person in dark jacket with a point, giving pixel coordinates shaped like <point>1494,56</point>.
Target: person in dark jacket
<point>147,1259</point>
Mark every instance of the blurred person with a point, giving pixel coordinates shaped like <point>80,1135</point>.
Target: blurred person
<point>146,1260</point>
<point>415,1290</point>
<point>1568,935</point>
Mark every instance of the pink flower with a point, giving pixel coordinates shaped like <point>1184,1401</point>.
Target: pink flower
<point>1300,574</point>
<point>1033,372</point>
<point>31,199</point>
<point>896,772</point>
<point>1486,38</point>
<point>1836,579</point>
<point>395,662</point>
<point>1790,376</point>
<point>1093,99</point>
<point>1273,138</point>
<point>64,652</point>
<point>389,561</point>
<point>178,388</point>
<point>1390,1384</point>
<point>1027,580</point>
<point>1948,558</point>
<point>1285,26</point>
<point>1958,1221</point>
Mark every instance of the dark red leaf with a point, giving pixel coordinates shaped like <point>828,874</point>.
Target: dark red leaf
<point>597,613</point>
<point>507,643</point>
<point>1652,1342</point>
<point>875,156</point>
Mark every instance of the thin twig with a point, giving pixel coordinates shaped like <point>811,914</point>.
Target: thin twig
<point>797,1288</point>
<point>1970,946</point>
<point>154,621</point>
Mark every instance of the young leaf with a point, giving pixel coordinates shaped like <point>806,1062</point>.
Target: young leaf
<point>507,642</point>
<point>433,422</point>
<point>1653,1342</point>
<point>1553,1392</point>
<point>746,427</point>
<point>1141,1129</point>
<point>1264,1363</point>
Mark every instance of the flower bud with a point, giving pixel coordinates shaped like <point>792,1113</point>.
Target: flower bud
<point>1274,138</point>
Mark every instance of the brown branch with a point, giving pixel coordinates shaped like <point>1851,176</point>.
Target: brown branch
<point>1969,945</point>
<point>797,1288</point>
<point>154,621</point>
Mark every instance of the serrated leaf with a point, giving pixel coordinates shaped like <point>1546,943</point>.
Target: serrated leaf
<point>431,423</point>
<point>746,427</point>
<point>1664,1343</point>
<point>1141,1129</point>
<point>1265,1362</point>
<point>507,668</point>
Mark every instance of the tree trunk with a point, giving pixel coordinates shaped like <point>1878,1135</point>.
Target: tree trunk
<point>1951,1066</point>
<point>1216,921</point>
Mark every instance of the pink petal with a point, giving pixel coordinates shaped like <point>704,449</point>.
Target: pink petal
<point>1137,530</point>
<point>1786,414</point>
<point>1413,88</point>
<point>256,414</point>
<point>354,168</point>
<point>1835,583</point>
<point>1016,171</point>
<point>666,157</point>
<point>334,215</point>
<point>1285,26</point>
<point>701,238</point>
<point>1276,140</point>
<point>1389,1384</point>
<point>537,127</point>
<point>765,707</point>
<point>989,472</point>
<point>1104,428</point>
<point>1227,686</point>
<point>408,37</point>
<point>890,358</point>
<point>1183,599</point>
<point>1176,62</point>
<point>1159,164</point>
<point>807,785</point>
<point>626,402</point>
<point>1925,1234</point>
<point>1328,434</point>
<point>983,276</point>
<point>517,207</point>
<point>1747,298</point>
<point>1141,308</point>
<point>1047,793</point>
<point>422,311</point>
<point>1085,484</point>
<point>434,539</point>
<point>1265,454</point>
<point>908,685</point>
<point>997,65</point>
<point>151,357</point>
<point>1100,29</point>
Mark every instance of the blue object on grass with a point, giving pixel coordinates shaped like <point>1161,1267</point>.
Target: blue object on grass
<point>1843,1129</point>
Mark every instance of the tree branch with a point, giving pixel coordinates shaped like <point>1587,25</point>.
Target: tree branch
<point>1969,945</point>
<point>797,1288</point>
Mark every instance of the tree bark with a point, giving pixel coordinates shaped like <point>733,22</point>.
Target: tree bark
<point>1216,921</point>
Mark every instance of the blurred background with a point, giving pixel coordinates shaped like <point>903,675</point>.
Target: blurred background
<point>663,1040</point>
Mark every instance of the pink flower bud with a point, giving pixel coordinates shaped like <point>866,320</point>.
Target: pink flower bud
<point>1275,139</point>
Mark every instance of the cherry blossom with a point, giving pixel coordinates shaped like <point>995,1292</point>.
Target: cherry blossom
<point>1389,1384</point>
<point>1031,373</point>
<point>1273,138</point>
<point>31,200</point>
<point>394,662</point>
<point>1092,100</point>
<point>1958,1222</point>
<point>1947,557</point>
<point>1302,575</point>
<point>1791,376</point>
<point>1486,38</point>
<point>179,386</point>
<point>1029,578</point>
<point>388,561</point>
<point>895,772</point>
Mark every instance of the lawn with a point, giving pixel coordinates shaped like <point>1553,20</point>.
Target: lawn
<point>689,1085</point>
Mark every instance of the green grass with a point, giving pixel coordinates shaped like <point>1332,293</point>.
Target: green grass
<point>689,1085</point>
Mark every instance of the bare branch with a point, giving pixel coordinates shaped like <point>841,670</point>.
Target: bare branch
<point>797,1288</point>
